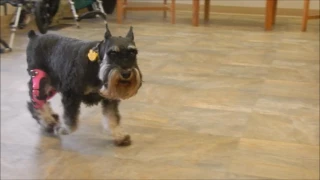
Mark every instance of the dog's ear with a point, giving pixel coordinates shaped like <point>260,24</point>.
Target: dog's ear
<point>130,34</point>
<point>107,35</point>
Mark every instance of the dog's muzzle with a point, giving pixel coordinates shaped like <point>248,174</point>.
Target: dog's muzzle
<point>126,74</point>
<point>121,83</point>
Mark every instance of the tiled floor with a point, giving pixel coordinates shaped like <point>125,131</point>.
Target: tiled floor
<point>224,100</point>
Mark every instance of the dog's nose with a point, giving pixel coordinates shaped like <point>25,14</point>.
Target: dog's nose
<point>126,74</point>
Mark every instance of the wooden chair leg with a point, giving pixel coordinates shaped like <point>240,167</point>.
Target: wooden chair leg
<point>165,11</point>
<point>195,12</point>
<point>305,15</point>
<point>119,11</point>
<point>274,14</point>
<point>206,10</point>
<point>125,3</point>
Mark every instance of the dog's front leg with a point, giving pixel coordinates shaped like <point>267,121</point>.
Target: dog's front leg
<point>71,106</point>
<point>112,120</point>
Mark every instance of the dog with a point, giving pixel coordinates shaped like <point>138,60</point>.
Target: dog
<point>89,72</point>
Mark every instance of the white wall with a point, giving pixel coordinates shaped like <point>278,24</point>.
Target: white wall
<point>290,4</point>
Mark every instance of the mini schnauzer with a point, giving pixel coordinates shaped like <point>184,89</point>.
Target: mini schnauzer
<point>86,72</point>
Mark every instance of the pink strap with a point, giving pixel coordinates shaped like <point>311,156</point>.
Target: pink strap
<point>36,78</point>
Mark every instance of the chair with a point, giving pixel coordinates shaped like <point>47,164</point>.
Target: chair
<point>271,6</point>
<point>196,9</point>
<point>122,8</point>
<point>306,16</point>
<point>271,9</point>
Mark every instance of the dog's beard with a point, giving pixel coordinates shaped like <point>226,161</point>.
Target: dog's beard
<point>118,88</point>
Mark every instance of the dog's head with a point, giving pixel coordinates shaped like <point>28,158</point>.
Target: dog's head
<point>119,69</point>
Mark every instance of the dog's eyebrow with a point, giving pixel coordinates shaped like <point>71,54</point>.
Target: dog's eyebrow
<point>131,46</point>
<point>114,48</point>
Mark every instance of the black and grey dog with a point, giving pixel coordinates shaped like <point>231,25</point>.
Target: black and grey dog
<point>86,72</point>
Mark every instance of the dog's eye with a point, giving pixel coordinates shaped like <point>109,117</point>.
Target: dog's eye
<point>133,53</point>
<point>112,53</point>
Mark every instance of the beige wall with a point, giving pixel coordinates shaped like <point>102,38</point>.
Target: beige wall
<point>286,4</point>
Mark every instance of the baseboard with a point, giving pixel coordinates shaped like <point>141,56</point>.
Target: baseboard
<point>230,9</point>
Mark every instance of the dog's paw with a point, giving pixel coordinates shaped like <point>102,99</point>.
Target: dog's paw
<point>55,116</point>
<point>124,141</point>
<point>49,128</point>
<point>62,130</point>
<point>48,123</point>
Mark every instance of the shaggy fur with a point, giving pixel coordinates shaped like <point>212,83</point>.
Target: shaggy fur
<point>112,77</point>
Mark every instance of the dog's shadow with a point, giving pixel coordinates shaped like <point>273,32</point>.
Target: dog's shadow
<point>77,143</point>
<point>58,27</point>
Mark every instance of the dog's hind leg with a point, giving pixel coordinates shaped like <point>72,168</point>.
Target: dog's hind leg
<point>112,120</point>
<point>71,105</point>
<point>44,116</point>
<point>39,107</point>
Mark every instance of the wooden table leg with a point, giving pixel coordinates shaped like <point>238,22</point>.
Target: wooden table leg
<point>206,10</point>
<point>125,3</point>
<point>165,11</point>
<point>305,16</point>
<point>274,14</point>
<point>119,11</point>
<point>269,14</point>
<point>173,11</point>
<point>195,12</point>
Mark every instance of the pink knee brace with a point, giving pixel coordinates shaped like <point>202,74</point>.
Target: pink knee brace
<point>37,76</point>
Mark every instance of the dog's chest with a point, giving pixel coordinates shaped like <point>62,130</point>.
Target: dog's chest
<point>91,89</point>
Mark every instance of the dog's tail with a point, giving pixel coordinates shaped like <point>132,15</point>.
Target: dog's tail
<point>32,34</point>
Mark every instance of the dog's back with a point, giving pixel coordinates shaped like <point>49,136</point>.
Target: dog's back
<point>46,49</point>
<point>41,48</point>
<point>52,44</point>
<point>62,58</point>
